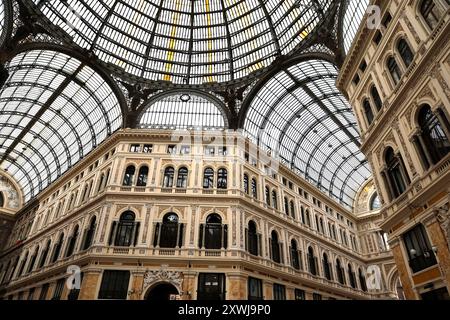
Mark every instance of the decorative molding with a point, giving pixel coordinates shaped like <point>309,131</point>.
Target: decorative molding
<point>154,276</point>
<point>443,216</point>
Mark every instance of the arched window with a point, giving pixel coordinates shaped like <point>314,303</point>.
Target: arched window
<point>90,234</point>
<point>125,231</point>
<point>213,234</point>
<point>326,267</point>
<point>312,263</point>
<point>362,280</point>
<point>286,206</point>
<point>22,265</point>
<point>434,140</point>
<point>105,182</point>
<point>57,248</point>
<point>340,272</point>
<point>101,182</point>
<point>430,12</point>
<point>295,259</point>
<point>405,52</point>
<point>254,189</point>
<point>253,239</point>
<point>302,212</point>
<point>169,234</point>
<point>86,192</point>
<point>351,276</point>
<point>395,173</point>
<point>267,196</point>
<point>375,202</point>
<point>394,70</point>
<point>169,174</point>
<point>182,178</point>
<point>208,178</point>
<point>376,98</point>
<point>308,218</point>
<point>72,242</point>
<point>274,200</point>
<point>142,177</point>
<point>368,112</point>
<point>2,200</point>
<point>222,179</point>
<point>275,247</point>
<point>129,176</point>
<point>32,260</point>
<point>44,254</point>
<point>246,186</point>
<point>292,205</point>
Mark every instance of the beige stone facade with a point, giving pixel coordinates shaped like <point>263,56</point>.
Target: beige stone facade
<point>95,188</point>
<point>405,133</point>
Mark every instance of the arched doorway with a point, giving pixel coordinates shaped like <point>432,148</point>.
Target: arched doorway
<point>161,292</point>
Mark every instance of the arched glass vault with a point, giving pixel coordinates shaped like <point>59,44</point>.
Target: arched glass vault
<point>54,109</point>
<point>300,116</point>
<point>57,105</point>
<point>184,41</point>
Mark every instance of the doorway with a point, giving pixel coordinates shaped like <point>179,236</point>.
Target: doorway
<point>162,292</point>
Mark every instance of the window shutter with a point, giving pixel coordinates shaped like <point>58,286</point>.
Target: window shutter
<point>113,231</point>
<point>225,236</point>
<point>281,252</point>
<point>246,240</point>
<point>83,240</point>
<point>290,256</point>
<point>259,236</point>
<point>180,239</point>
<point>200,236</point>
<point>137,226</point>
<point>155,238</point>
<point>270,248</point>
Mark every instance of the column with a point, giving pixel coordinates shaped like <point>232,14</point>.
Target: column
<point>90,284</point>
<point>438,240</point>
<point>137,283</point>
<point>237,287</point>
<point>268,290</point>
<point>403,270</point>
<point>189,289</point>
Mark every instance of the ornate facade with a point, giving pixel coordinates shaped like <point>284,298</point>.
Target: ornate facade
<point>397,79</point>
<point>130,211</point>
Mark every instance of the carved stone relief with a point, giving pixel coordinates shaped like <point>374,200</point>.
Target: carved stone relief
<point>173,277</point>
<point>10,193</point>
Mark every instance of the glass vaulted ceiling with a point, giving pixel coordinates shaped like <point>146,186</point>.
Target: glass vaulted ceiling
<point>183,41</point>
<point>300,116</point>
<point>53,110</point>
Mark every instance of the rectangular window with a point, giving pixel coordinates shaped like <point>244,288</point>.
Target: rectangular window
<point>211,286</point>
<point>420,253</point>
<point>58,289</point>
<point>172,149</point>
<point>317,296</point>
<point>185,150</point>
<point>279,292</point>
<point>255,289</point>
<point>135,148</point>
<point>209,151</point>
<point>75,292</point>
<point>299,294</point>
<point>31,294</point>
<point>148,148</point>
<point>114,285</point>
<point>44,291</point>
<point>223,151</point>
<point>306,195</point>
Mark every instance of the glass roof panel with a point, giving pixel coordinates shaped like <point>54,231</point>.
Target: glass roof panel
<point>2,21</point>
<point>352,20</point>
<point>182,41</point>
<point>301,115</point>
<point>183,112</point>
<point>54,110</point>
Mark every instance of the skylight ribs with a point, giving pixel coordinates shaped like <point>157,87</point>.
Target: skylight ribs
<point>186,42</point>
<point>301,115</point>
<point>56,110</point>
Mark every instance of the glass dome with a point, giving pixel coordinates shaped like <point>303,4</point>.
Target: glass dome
<point>187,42</point>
